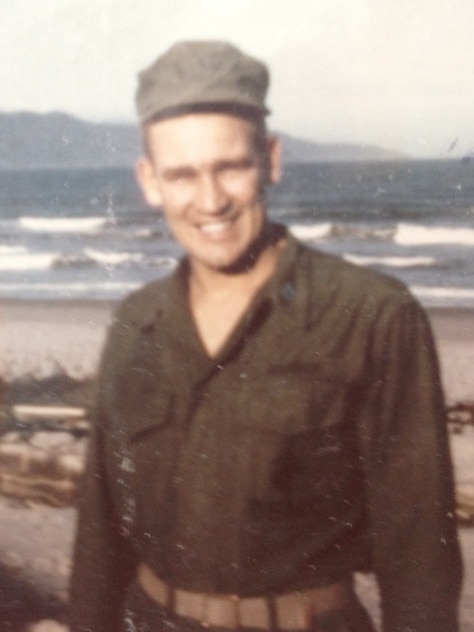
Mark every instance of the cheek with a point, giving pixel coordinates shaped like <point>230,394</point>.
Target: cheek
<point>176,201</point>
<point>246,191</point>
<point>175,220</point>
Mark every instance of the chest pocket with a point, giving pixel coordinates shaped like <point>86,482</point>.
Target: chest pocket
<point>138,396</point>
<point>139,401</point>
<point>296,399</point>
<point>292,427</point>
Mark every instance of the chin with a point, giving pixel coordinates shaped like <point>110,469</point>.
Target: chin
<point>222,259</point>
<point>221,265</point>
<point>235,258</point>
<point>241,263</point>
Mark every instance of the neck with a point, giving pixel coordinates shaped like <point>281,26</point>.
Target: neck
<point>248,274</point>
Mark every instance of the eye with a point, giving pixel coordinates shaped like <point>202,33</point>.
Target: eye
<point>236,167</point>
<point>178,175</point>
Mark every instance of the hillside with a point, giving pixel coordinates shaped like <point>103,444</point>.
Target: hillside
<point>56,140</point>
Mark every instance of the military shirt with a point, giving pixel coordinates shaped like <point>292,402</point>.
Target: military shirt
<point>311,446</point>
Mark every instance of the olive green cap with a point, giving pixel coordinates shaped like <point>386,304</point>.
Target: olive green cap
<point>201,75</point>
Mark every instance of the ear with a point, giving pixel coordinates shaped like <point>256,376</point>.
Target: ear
<point>274,159</point>
<point>145,174</point>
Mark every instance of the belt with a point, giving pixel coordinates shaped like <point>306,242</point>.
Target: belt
<point>291,611</point>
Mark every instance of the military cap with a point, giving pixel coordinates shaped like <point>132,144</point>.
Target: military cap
<point>200,74</point>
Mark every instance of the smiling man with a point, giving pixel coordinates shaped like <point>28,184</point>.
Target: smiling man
<point>208,172</point>
<point>269,418</point>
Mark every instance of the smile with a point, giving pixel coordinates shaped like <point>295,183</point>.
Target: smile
<point>215,228</point>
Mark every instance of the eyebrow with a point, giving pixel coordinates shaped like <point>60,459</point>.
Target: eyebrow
<point>176,172</point>
<point>238,163</point>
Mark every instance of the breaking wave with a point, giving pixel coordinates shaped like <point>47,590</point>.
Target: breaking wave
<point>63,224</point>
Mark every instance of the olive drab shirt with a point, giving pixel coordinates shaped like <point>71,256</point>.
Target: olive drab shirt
<point>312,446</point>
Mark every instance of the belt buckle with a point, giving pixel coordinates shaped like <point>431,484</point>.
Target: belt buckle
<point>222,611</point>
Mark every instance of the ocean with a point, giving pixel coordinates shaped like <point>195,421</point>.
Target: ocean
<point>87,234</point>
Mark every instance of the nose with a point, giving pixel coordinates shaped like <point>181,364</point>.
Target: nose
<point>211,195</point>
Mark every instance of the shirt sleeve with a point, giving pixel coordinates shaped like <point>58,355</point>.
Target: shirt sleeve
<point>104,562</point>
<point>409,481</point>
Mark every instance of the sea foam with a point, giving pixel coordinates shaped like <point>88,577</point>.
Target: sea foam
<point>413,234</point>
<point>27,261</point>
<point>393,262</point>
<point>63,224</point>
<point>311,231</point>
<point>112,258</point>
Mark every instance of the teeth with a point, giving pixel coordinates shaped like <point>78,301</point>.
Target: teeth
<point>215,227</point>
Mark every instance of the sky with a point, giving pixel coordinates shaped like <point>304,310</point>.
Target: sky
<point>398,74</point>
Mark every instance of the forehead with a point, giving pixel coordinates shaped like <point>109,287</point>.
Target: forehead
<point>200,137</point>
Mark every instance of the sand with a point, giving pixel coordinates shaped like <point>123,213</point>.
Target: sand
<point>454,334</point>
<point>40,340</point>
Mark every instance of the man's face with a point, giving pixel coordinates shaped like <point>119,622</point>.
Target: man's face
<point>206,172</point>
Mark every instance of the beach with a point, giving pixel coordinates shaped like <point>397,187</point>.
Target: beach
<point>42,338</point>
<point>49,351</point>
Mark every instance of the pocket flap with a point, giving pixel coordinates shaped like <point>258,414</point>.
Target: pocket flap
<point>292,401</point>
<point>138,401</point>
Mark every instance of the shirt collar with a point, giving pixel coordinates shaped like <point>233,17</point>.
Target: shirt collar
<point>286,289</point>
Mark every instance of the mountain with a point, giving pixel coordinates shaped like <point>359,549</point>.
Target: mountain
<point>299,150</point>
<point>57,140</point>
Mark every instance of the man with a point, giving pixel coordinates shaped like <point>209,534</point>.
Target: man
<point>269,418</point>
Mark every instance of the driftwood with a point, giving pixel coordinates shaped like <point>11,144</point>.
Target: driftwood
<point>56,493</point>
<point>40,475</point>
<point>460,415</point>
<point>31,411</point>
<point>465,503</point>
<point>28,419</point>
<point>42,453</point>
